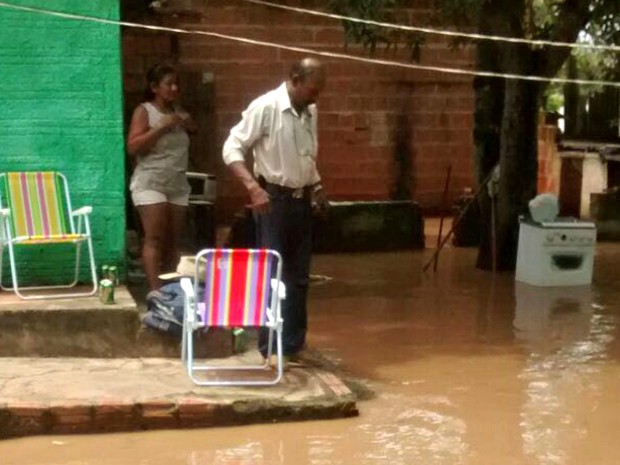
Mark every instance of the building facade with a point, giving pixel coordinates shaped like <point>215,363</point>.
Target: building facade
<point>62,111</point>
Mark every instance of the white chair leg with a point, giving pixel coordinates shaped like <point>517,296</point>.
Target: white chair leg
<point>76,269</point>
<point>270,344</point>
<point>190,352</point>
<point>280,350</point>
<point>15,286</point>
<point>93,266</point>
<point>20,292</point>
<point>1,256</point>
<point>184,341</point>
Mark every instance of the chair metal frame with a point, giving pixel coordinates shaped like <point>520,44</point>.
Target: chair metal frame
<point>82,232</point>
<point>273,322</point>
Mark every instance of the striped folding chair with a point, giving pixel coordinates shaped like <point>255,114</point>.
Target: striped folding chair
<point>35,210</point>
<point>242,288</point>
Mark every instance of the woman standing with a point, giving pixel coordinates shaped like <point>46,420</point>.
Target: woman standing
<point>158,139</point>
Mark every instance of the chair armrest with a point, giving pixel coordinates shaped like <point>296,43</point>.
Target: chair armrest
<point>281,288</point>
<point>189,303</point>
<point>82,211</point>
<point>188,288</point>
<point>271,318</point>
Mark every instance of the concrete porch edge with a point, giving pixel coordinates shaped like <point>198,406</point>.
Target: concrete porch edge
<point>47,396</point>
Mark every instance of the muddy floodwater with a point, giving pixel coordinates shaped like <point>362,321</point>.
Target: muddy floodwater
<point>467,369</point>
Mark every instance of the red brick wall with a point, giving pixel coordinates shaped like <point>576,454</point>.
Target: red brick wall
<point>358,112</point>
<point>548,160</point>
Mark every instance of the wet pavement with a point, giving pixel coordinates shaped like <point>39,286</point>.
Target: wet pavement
<point>467,369</point>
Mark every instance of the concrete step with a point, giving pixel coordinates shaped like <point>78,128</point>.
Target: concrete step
<point>42,396</point>
<point>84,327</point>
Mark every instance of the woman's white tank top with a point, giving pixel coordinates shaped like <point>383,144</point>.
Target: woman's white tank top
<point>163,167</point>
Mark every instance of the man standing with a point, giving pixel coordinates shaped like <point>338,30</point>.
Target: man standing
<point>280,128</point>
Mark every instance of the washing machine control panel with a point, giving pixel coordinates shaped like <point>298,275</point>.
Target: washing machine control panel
<point>570,237</point>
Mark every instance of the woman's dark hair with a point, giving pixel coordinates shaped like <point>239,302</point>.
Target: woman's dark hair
<point>154,76</point>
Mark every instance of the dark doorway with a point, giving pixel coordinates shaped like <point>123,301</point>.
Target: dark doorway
<point>570,186</point>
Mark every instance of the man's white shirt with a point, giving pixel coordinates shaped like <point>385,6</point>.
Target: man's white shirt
<point>284,143</point>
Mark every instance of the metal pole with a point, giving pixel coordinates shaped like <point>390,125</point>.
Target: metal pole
<point>481,187</point>
<point>493,235</point>
<point>443,208</point>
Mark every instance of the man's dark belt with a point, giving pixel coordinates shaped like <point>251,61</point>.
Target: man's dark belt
<point>296,193</point>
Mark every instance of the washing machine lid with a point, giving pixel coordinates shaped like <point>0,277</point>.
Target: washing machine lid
<point>561,223</point>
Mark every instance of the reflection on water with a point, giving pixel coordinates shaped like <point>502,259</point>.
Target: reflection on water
<point>550,319</point>
<point>400,431</point>
<point>565,341</point>
<point>412,430</point>
<point>244,454</point>
<point>468,370</point>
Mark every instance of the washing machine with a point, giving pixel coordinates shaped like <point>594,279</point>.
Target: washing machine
<point>556,253</point>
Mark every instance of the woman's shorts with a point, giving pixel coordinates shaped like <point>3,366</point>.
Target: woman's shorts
<point>149,197</point>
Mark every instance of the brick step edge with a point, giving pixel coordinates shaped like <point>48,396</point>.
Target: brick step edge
<point>29,419</point>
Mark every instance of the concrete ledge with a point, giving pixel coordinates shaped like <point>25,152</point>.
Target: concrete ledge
<point>353,227</point>
<point>84,327</point>
<point>64,396</point>
<point>67,327</point>
<point>370,227</point>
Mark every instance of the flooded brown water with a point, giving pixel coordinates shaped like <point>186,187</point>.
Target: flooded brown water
<point>467,369</point>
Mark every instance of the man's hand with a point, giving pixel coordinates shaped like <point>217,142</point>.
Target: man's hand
<point>259,199</point>
<point>320,203</point>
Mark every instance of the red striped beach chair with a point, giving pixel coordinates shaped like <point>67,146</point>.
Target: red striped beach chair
<point>242,288</point>
<point>35,210</point>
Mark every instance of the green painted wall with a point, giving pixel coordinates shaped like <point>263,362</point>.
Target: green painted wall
<point>61,93</point>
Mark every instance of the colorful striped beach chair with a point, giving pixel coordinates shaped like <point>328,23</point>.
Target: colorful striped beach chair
<point>242,288</point>
<point>35,210</point>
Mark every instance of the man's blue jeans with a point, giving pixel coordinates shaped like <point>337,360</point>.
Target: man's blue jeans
<point>287,228</point>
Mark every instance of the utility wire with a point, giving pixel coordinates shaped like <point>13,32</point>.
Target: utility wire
<point>396,64</point>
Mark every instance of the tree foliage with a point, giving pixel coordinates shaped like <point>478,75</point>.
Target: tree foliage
<point>593,20</point>
<point>373,37</point>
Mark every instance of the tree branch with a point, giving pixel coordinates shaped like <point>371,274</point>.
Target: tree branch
<point>572,18</point>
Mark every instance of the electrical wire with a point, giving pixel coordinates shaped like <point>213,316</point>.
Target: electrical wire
<point>414,66</point>
<point>443,32</point>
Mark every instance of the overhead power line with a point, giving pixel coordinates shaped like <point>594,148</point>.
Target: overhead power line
<point>443,32</point>
<point>308,51</point>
